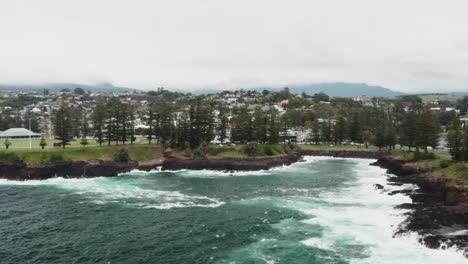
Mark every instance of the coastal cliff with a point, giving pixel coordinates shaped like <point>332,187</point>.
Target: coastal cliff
<point>19,170</point>
<point>439,208</point>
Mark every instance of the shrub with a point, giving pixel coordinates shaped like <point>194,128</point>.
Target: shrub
<point>7,143</point>
<point>418,155</point>
<point>9,156</point>
<point>84,142</point>
<point>56,157</point>
<point>445,163</point>
<point>122,155</point>
<point>219,150</point>
<point>186,145</point>
<point>292,146</point>
<point>253,149</point>
<point>268,149</point>
<point>198,152</point>
<point>287,149</point>
<point>43,143</point>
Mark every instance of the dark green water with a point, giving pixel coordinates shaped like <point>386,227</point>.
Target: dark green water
<point>321,211</point>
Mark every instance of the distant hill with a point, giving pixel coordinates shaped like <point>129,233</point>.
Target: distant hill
<point>332,89</point>
<point>54,87</point>
<point>459,93</point>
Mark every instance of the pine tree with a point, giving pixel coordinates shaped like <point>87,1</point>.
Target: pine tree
<point>427,129</point>
<point>379,139</point>
<point>390,138</point>
<point>409,132</point>
<point>273,126</point>
<point>339,130</point>
<point>465,143</point>
<point>316,136</point>
<point>223,122</point>
<point>63,125</point>
<point>98,117</point>
<point>455,140</point>
<point>259,125</point>
<point>7,143</point>
<point>355,128</point>
<point>43,143</point>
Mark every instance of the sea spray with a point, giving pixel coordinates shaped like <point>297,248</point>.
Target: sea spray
<point>322,210</point>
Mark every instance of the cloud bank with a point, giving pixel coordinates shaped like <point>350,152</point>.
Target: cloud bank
<point>409,46</point>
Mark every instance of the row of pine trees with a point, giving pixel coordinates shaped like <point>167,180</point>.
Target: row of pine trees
<point>200,121</point>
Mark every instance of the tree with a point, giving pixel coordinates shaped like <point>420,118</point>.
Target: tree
<point>465,143</point>
<point>31,122</point>
<point>242,126</point>
<point>43,143</point>
<point>149,118</point>
<point>315,129</point>
<point>355,128</point>
<point>366,137</point>
<point>79,91</point>
<point>223,122</point>
<point>409,132</point>
<point>260,125</point>
<point>326,131</point>
<point>321,97</point>
<point>99,119</point>
<point>455,140</point>
<point>64,126</point>
<point>84,142</point>
<point>339,130</point>
<point>379,139</point>
<point>390,138</point>
<point>274,126</point>
<point>7,143</point>
<point>427,129</point>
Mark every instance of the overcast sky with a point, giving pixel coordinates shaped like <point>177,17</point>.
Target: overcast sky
<point>405,45</point>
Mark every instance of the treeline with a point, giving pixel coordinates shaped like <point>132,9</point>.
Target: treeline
<point>457,140</point>
<point>200,121</point>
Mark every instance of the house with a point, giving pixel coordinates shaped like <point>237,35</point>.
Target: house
<point>18,133</point>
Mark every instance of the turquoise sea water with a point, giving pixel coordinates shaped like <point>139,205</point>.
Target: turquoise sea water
<point>324,210</point>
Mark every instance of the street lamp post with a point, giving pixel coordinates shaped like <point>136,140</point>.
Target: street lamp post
<point>30,143</point>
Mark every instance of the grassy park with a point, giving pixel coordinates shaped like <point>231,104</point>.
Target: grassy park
<point>440,163</point>
<point>24,143</point>
<point>34,156</point>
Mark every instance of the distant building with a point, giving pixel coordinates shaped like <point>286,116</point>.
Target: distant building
<point>18,133</point>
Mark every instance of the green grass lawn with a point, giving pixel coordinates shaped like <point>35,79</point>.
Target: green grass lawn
<point>137,152</point>
<point>24,143</point>
<point>455,171</point>
<point>337,147</point>
<point>429,98</point>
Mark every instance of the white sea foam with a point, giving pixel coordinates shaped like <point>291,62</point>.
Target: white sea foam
<point>361,216</point>
<point>368,218</point>
<point>218,173</point>
<point>128,192</point>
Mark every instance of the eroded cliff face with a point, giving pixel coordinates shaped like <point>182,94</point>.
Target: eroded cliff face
<point>18,170</point>
<point>439,208</point>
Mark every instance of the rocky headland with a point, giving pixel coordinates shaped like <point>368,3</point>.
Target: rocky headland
<point>19,170</point>
<point>439,208</point>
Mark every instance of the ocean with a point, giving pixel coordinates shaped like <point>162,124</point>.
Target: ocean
<point>323,210</point>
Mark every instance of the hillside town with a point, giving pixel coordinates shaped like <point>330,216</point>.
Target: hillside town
<point>35,110</point>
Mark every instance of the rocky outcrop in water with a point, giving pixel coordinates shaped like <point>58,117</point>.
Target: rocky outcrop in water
<point>229,164</point>
<point>439,207</point>
<point>344,153</point>
<point>251,164</point>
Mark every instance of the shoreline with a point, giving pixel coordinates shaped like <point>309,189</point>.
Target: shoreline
<point>438,208</point>
<point>19,170</point>
<point>438,211</point>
